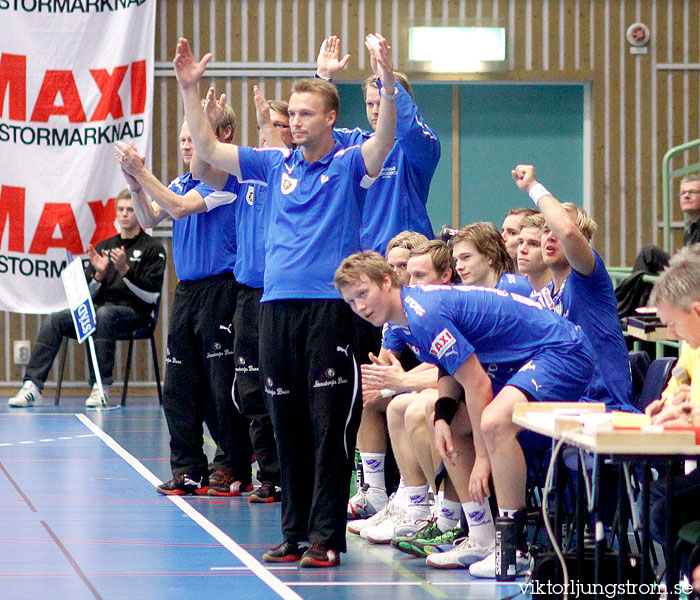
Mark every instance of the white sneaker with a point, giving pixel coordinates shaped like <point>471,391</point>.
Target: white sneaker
<point>486,568</point>
<point>95,400</point>
<point>359,525</point>
<point>460,557</point>
<point>367,502</point>
<point>28,395</point>
<point>400,523</point>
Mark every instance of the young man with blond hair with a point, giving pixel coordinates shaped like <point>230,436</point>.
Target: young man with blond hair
<point>530,354</point>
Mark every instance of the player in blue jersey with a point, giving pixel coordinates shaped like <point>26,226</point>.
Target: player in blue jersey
<point>481,259</point>
<point>199,367</point>
<point>581,290</point>
<point>273,121</point>
<point>511,227</point>
<point>530,261</point>
<point>397,201</point>
<point>498,348</point>
<point>314,203</point>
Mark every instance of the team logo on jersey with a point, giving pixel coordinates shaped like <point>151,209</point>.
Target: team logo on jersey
<point>330,372</point>
<point>414,349</point>
<point>288,184</point>
<point>442,343</point>
<point>250,195</point>
<point>241,360</point>
<point>324,178</point>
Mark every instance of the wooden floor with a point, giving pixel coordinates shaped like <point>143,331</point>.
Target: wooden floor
<point>81,519</point>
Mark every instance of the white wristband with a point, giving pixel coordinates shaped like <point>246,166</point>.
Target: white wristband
<point>537,192</point>
<point>387,393</point>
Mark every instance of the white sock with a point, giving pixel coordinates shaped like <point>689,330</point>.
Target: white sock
<point>449,512</point>
<point>373,469</point>
<point>481,528</point>
<point>417,504</point>
<point>504,512</point>
<point>399,498</point>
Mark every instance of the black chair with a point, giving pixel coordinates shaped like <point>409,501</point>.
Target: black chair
<point>639,365</point>
<point>655,381</point>
<point>143,333</point>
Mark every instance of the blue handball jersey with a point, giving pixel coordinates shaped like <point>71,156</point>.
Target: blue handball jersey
<point>447,324</point>
<point>590,302</point>
<point>397,200</point>
<point>510,282</point>
<point>249,207</point>
<point>312,216</point>
<point>204,244</point>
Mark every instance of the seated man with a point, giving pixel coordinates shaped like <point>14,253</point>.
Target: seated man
<point>125,276</point>
<point>530,262</point>
<point>510,229</point>
<point>530,354</point>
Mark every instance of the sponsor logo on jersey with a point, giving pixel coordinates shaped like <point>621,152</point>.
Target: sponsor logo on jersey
<point>413,304</point>
<point>324,178</point>
<point>528,366</point>
<point>442,343</point>
<point>250,195</point>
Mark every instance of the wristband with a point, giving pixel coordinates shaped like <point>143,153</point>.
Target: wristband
<point>328,79</point>
<point>134,191</point>
<point>537,192</point>
<point>445,409</point>
<point>389,97</point>
<point>387,393</point>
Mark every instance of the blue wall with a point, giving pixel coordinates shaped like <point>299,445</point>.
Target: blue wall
<point>501,125</point>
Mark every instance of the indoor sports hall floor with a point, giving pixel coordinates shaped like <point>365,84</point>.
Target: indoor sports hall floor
<point>80,519</point>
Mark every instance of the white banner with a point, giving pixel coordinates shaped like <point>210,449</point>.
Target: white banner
<point>76,76</point>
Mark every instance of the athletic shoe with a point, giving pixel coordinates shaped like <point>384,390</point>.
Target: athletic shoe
<point>486,568</point>
<point>183,484</point>
<point>319,556</point>
<point>442,542</point>
<point>285,552</point>
<point>358,525</point>
<point>367,502</point>
<point>28,395</point>
<point>95,399</point>
<point>222,483</point>
<point>460,556</point>
<point>428,531</point>
<point>266,493</point>
<point>400,523</point>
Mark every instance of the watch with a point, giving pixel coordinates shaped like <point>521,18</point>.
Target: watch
<point>389,97</point>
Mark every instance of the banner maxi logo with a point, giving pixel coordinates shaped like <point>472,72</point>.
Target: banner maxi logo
<point>61,83</point>
<point>64,102</point>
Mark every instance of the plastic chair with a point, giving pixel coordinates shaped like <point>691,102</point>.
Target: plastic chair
<point>655,382</point>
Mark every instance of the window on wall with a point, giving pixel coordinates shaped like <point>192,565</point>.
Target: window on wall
<point>500,125</point>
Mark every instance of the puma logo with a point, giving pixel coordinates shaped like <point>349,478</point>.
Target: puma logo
<point>537,387</point>
<point>345,350</point>
<point>226,327</point>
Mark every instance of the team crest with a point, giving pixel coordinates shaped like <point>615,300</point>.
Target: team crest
<point>330,372</point>
<point>250,195</point>
<point>288,184</point>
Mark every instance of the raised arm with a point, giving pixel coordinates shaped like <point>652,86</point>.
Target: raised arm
<point>574,244</point>
<point>376,149</point>
<point>168,202</point>
<point>189,72</point>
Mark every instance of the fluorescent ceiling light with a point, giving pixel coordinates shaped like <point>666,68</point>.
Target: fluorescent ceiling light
<point>457,49</point>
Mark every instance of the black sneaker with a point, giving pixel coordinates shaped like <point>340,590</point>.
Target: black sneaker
<point>266,493</point>
<point>285,552</point>
<point>222,483</point>
<point>319,556</point>
<point>182,485</point>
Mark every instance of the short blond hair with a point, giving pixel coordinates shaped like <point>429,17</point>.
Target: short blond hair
<point>488,241</point>
<point>679,283</point>
<point>439,253</point>
<point>535,221</point>
<point>368,264</point>
<point>125,194</point>
<point>585,224</point>
<point>327,91</point>
<point>407,240</point>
